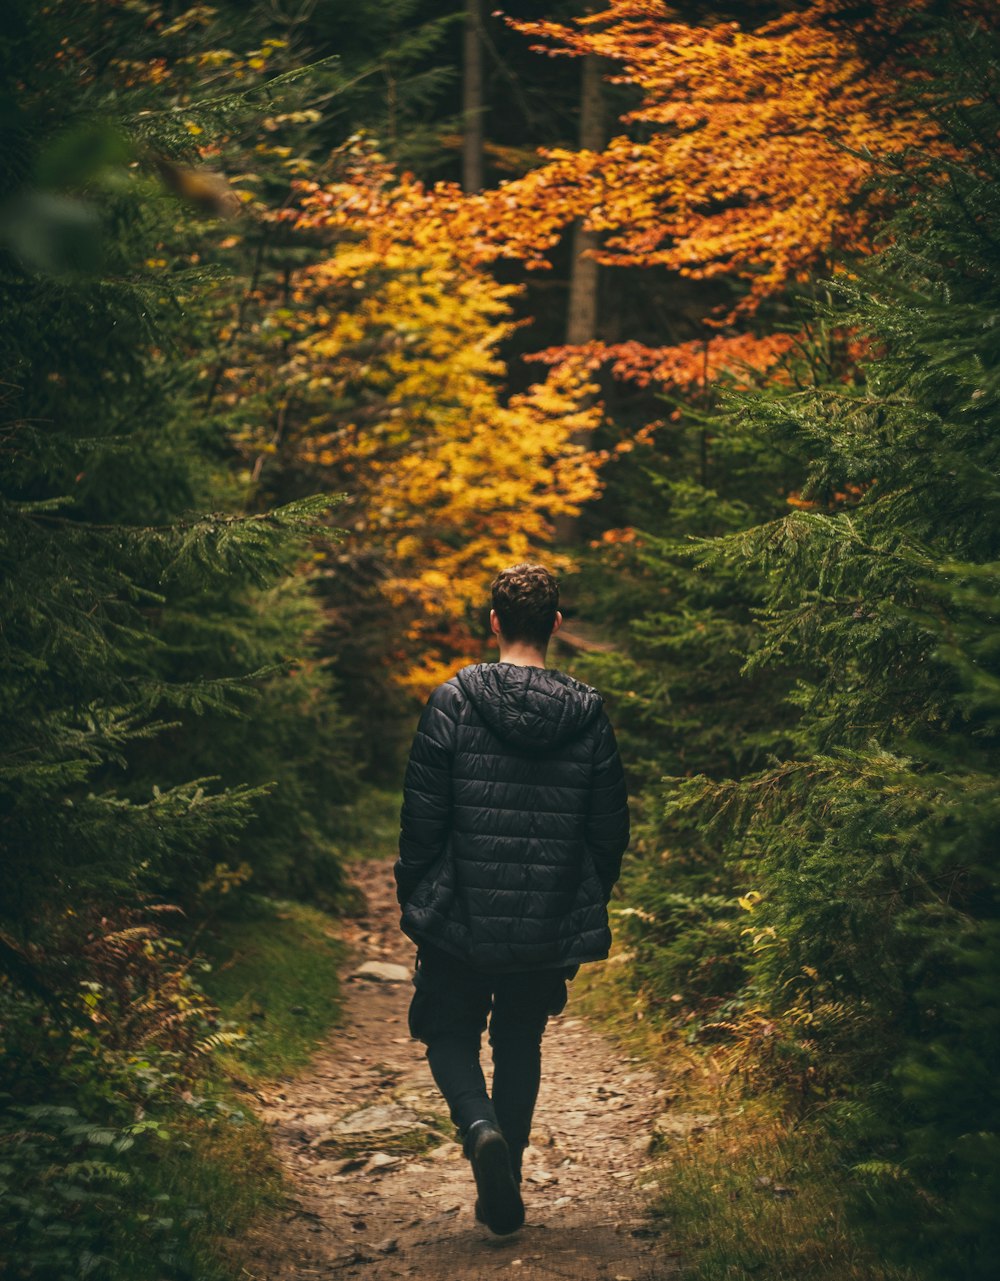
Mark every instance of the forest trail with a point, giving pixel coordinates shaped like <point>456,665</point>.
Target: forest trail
<point>377,1195</point>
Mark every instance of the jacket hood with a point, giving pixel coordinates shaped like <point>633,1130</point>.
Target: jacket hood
<point>532,708</point>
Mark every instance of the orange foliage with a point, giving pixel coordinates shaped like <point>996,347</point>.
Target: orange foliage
<point>745,158</point>
<point>686,365</point>
<point>759,141</point>
<point>390,387</point>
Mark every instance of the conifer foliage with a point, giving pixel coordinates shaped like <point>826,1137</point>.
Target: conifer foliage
<point>222,290</point>
<point>868,850</point>
<point>169,730</point>
<point>139,593</point>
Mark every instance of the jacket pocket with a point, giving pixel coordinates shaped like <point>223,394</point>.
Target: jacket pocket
<point>434,891</point>
<point>591,875</point>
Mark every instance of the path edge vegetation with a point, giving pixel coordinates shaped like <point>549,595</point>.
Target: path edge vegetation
<point>274,968</point>
<point>736,1184</point>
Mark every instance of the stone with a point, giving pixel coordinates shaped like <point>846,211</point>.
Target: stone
<point>383,972</point>
<point>315,1120</point>
<point>338,1167</point>
<point>381,1161</point>
<point>446,1152</point>
<point>379,1116</point>
<point>384,1119</point>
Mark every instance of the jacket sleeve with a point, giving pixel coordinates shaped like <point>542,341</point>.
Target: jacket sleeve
<point>425,817</point>
<point>608,817</point>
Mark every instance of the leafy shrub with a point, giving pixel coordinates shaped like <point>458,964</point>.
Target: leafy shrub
<point>112,1042</point>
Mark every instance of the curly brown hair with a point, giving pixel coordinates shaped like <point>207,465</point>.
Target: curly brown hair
<point>526,598</point>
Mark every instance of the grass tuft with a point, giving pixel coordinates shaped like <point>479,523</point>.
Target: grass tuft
<point>276,976</point>
<point>757,1195</point>
<point>212,1179</point>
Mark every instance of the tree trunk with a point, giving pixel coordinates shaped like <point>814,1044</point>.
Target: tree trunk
<point>581,309</point>
<point>472,99</point>
<point>581,318</point>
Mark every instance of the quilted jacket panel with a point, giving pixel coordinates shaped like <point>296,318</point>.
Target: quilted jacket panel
<point>514,820</point>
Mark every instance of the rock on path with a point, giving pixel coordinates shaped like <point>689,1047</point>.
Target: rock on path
<point>380,1186</point>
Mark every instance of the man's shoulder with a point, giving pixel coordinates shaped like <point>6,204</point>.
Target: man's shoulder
<point>447,697</point>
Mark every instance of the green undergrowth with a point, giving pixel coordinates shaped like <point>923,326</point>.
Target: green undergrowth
<point>202,1188</point>
<point>756,1198</point>
<point>215,1180</point>
<point>756,1194</point>
<point>274,971</point>
<point>274,976</point>
<point>211,1181</point>
<point>374,822</point>
<point>141,1158</point>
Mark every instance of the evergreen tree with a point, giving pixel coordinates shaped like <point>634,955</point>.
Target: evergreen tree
<point>681,705</point>
<point>868,850</point>
<point>130,609</point>
<point>168,727</point>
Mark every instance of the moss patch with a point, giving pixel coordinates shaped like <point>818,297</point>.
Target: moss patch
<point>275,975</point>
<point>373,824</point>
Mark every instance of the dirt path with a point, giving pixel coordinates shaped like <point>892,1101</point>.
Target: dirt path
<point>382,1187</point>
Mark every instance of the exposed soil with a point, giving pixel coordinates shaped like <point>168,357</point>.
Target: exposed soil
<point>381,1187</point>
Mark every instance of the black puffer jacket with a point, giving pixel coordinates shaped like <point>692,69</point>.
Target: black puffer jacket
<point>514,820</point>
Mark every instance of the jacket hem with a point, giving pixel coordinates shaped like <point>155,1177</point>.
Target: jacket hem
<point>576,958</point>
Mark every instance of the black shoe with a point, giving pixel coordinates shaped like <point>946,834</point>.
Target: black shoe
<point>515,1167</point>
<point>480,1217</point>
<point>499,1203</point>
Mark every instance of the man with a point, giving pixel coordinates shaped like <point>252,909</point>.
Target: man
<point>512,830</point>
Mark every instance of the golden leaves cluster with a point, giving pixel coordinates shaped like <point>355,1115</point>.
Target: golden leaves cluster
<point>395,393</point>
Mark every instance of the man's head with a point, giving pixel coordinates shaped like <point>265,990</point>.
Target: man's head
<point>526,605</point>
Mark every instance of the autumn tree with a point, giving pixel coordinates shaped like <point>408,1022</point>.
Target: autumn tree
<point>382,359</point>
<point>743,163</point>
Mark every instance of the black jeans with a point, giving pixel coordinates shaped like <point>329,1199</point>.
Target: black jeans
<point>449,1011</point>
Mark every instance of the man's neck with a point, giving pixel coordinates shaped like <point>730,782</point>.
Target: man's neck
<point>522,656</point>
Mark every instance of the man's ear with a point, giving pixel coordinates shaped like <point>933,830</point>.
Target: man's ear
<point>558,623</point>
<point>494,623</point>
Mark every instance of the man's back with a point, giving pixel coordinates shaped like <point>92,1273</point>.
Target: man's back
<point>514,820</point>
